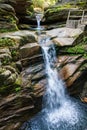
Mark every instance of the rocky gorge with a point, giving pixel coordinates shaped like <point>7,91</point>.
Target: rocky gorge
<point>22,72</point>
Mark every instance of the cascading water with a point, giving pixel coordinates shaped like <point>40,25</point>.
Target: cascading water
<point>55,94</point>
<point>55,99</point>
<point>39,17</point>
<point>59,111</point>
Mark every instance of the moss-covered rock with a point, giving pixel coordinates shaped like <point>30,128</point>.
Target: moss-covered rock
<point>79,46</point>
<point>5,56</point>
<point>8,80</point>
<point>59,12</point>
<point>8,19</point>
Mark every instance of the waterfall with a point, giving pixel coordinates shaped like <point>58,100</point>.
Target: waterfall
<point>55,101</point>
<point>55,92</point>
<point>59,111</point>
<point>39,17</point>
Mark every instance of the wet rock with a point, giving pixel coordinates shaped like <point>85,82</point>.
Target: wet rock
<point>83,95</point>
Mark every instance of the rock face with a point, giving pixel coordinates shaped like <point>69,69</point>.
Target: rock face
<point>5,56</point>
<point>30,51</point>
<point>22,8</point>
<point>56,15</point>
<point>16,96</point>
<point>8,18</point>
<point>12,12</point>
<point>23,79</point>
<point>8,77</point>
<point>73,71</point>
<point>14,105</point>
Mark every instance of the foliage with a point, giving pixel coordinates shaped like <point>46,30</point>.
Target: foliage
<point>43,3</point>
<point>5,41</point>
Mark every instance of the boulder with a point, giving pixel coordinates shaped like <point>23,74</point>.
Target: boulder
<point>65,36</point>
<point>30,50</point>
<point>20,38</point>
<point>30,54</point>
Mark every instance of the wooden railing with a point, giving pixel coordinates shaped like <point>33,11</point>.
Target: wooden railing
<point>76,18</point>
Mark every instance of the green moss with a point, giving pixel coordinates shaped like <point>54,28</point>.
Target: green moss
<point>6,61</point>
<point>79,48</point>
<point>8,22</point>
<point>17,85</point>
<point>7,30</point>
<point>58,8</point>
<point>15,54</point>
<point>81,4</point>
<point>5,41</point>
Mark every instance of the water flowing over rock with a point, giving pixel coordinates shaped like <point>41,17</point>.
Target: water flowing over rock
<point>28,76</point>
<point>54,114</point>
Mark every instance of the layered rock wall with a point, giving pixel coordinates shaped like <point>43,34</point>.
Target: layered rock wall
<point>11,12</point>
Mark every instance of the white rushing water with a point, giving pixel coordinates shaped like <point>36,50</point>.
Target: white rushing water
<point>55,101</point>
<point>59,112</point>
<point>39,17</point>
